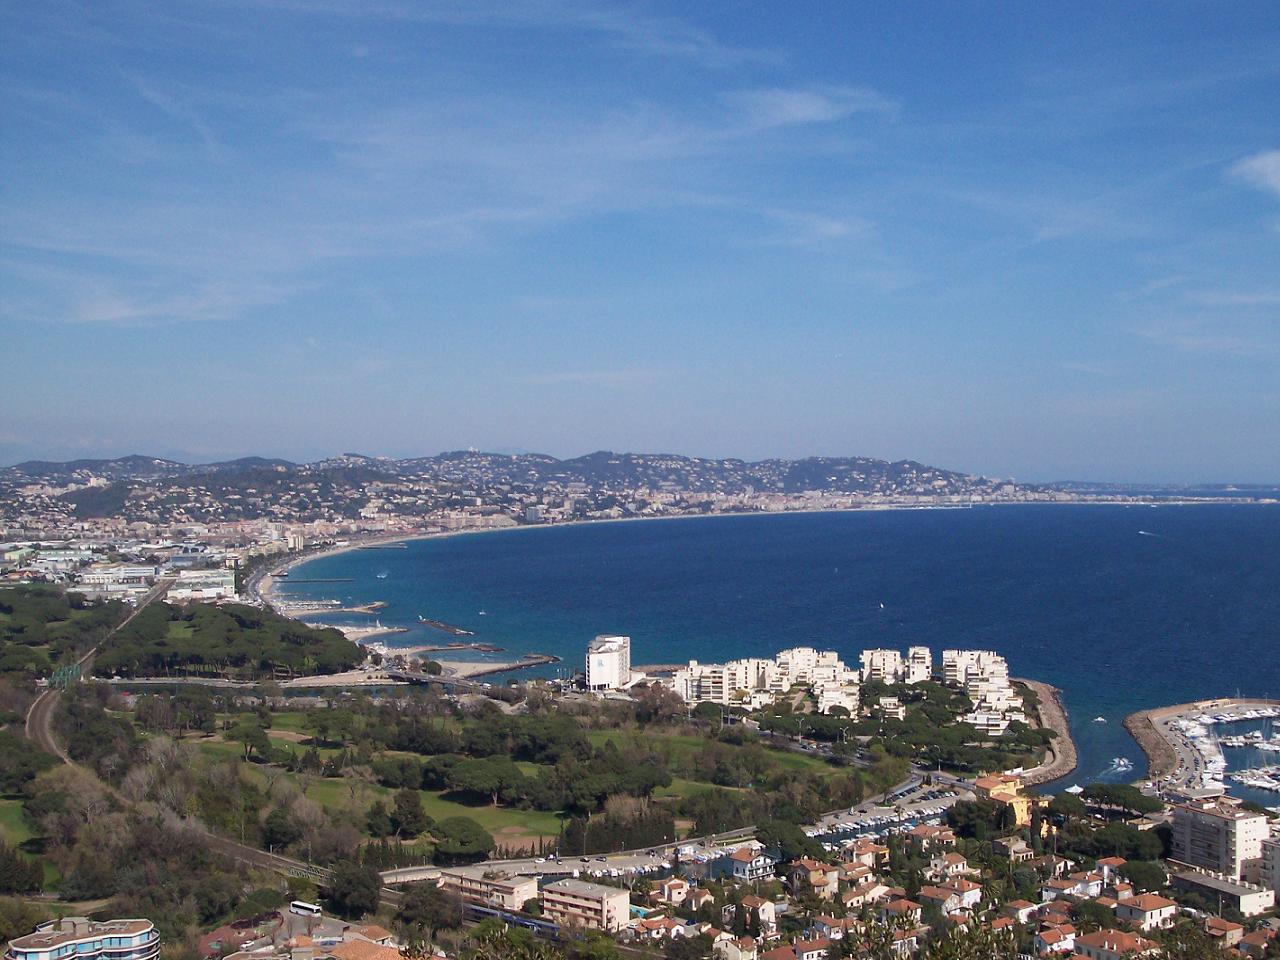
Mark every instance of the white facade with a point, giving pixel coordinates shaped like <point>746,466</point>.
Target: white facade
<point>882,665</point>
<point>609,663</point>
<point>984,677</point>
<point>204,585</point>
<point>1270,872</point>
<point>1219,836</point>
<point>832,695</point>
<point>889,666</point>
<point>748,681</point>
<point>919,666</point>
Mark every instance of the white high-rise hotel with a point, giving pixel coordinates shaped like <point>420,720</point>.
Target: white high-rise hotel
<point>609,663</point>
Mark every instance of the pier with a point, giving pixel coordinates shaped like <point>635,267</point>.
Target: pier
<point>446,627</point>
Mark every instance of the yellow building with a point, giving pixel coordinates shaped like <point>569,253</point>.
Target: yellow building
<point>1007,789</point>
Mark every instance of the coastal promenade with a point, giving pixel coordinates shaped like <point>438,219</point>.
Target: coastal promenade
<point>1172,759</point>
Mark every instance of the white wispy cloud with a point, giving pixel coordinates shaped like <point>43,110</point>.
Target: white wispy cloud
<point>1211,337</point>
<point>179,111</point>
<point>627,27</point>
<point>1262,170</point>
<point>1238,298</point>
<point>770,107</point>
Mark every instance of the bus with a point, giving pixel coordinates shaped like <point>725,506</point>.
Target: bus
<point>304,909</point>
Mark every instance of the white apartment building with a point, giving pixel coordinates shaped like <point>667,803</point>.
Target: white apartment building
<point>984,677</point>
<point>751,680</point>
<point>1270,872</point>
<point>486,887</point>
<point>919,667</point>
<point>586,906</point>
<point>609,663</point>
<point>1217,835</point>
<point>889,666</point>
<point>883,665</point>
<point>807,665</point>
<point>832,695</point>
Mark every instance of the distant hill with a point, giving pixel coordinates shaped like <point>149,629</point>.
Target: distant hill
<point>602,469</point>
<point>134,467</point>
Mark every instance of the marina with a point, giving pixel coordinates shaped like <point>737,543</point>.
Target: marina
<point>1184,748</point>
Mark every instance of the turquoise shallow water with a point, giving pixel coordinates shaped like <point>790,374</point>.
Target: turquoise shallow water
<point>1121,607</point>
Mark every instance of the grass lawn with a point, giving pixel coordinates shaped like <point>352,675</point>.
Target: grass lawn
<point>506,824</point>
<point>13,828</point>
<point>219,749</point>
<point>295,722</point>
<point>683,745</point>
<point>686,788</point>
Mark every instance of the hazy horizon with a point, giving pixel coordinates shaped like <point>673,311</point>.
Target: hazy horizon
<point>180,457</point>
<point>1005,239</point>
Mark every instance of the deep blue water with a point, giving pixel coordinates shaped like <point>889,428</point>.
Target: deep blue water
<point>1121,607</point>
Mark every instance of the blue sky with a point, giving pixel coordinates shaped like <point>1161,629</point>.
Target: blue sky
<point>1033,240</point>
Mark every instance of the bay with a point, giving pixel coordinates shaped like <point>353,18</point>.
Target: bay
<point>1122,607</point>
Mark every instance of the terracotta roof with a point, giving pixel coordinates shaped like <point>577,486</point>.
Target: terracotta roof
<point>1117,941</point>
<point>1219,925</point>
<point>363,950</point>
<point>1148,902</point>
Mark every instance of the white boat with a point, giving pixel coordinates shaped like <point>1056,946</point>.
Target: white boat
<point>1099,719</point>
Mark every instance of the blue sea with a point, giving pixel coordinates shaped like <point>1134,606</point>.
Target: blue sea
<point>1122,607</point>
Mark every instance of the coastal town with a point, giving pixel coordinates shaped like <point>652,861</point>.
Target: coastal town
<point>894,804</point>
<point>937,758</point>
<point>639,480</point>
<point>57,517</point>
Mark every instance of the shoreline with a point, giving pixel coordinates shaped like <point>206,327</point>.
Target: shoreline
<point>1062,757</point>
